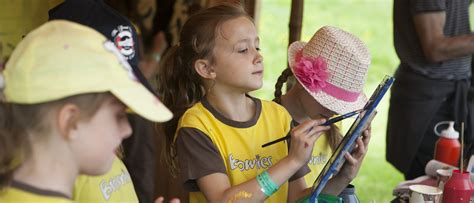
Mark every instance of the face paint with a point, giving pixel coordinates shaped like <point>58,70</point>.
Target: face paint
<point>240,195</point>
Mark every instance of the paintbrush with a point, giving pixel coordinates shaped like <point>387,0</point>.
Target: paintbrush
<point>328,122</point>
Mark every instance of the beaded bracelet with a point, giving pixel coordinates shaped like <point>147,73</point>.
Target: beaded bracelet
<point>267,185</point>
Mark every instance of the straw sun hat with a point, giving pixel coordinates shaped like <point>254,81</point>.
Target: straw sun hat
<point>332,67</point>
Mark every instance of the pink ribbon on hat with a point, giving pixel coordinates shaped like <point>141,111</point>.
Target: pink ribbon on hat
<point>340,93</point>
<point>312,73</point>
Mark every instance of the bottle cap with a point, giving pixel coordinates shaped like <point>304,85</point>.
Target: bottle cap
<point>449,132</point>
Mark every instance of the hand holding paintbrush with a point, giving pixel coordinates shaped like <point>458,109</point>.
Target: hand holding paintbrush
<point>327,123</point>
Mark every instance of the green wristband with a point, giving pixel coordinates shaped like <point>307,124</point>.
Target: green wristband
<point>267,186</point>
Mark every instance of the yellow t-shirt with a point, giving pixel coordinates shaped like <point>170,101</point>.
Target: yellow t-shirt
<point>22,193</point>
<point>114,186</point>
<point>238,143</point>
<point>321,154</point>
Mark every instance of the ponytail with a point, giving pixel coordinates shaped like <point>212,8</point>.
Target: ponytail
<point>334,136</point>
<point>179,88</point>
<point>282,79</point>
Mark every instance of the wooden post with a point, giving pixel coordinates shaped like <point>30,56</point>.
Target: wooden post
<point>296,21</point>
<point>253,9</point>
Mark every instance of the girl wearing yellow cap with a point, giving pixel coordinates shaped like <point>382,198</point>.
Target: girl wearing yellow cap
<point>64,116</point>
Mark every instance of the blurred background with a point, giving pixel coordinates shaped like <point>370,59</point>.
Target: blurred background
<point>370,20</point>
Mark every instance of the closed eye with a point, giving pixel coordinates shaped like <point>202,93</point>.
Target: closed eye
<point>243,50</point>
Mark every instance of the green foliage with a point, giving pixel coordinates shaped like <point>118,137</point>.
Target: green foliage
<point>371,20</point>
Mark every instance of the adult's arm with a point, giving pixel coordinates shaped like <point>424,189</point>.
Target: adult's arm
<point>436,46</point>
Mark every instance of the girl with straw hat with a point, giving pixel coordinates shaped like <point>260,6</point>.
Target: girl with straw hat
<point>331,70</point>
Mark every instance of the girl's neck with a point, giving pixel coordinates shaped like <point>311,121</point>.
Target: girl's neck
<point>293,105</point>
<point>237,107</point>
<point>47,168</point>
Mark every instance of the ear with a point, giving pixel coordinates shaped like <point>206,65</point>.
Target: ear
<point>204,69</point>
<point>68,116</point>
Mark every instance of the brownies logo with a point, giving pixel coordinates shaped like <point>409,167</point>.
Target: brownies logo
<point>108,187</point>
<point>249,164</point>
<point>319,159</point>
<point>123,40</point>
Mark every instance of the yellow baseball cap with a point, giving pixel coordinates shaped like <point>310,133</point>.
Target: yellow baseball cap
<point>62,59</point>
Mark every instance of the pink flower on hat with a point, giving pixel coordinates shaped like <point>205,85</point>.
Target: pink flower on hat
<point>312,72</point>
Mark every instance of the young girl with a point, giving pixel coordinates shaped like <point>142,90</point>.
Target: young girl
<point>217,140</point>
<point>331,70</point>
<point>67,89</point>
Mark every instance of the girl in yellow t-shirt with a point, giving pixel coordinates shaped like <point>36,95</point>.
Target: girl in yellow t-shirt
<point>330,71</point>
<point>67,89</point>
<point>205,80</point>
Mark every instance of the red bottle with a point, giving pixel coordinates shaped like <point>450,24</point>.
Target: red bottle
<point>458,189</point>
<point>447,147</point>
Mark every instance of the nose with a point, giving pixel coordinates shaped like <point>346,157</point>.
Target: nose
<point>258,58</point>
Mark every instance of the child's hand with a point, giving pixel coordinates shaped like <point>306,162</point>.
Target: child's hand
<point>353,161</point>
<point>302,140</point>
<point>161,200</point>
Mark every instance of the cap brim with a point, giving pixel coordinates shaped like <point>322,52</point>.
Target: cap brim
<point>142,102</point>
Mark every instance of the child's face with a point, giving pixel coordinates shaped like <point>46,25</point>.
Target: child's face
<point>237,61</point>
<point>313,108</point>
<point>97,139</point>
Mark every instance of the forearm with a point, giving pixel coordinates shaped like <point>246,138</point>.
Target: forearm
<point>336,185</point>
<point>296,195</point>
<point>350,168</point>
<point>436,45</point>
<point>450,47</point>
<point>251,190</point>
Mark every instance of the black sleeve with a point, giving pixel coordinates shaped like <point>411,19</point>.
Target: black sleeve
<point>139,157</point>
<point>419,6</point>
<point>197,157</point>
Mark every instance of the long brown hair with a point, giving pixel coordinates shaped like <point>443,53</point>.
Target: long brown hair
<point>179,86</point>
<point>18,120</point>
<point>334,135</point>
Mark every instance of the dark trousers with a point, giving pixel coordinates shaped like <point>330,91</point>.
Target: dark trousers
<point>417,103</point>
<point>426,149</point>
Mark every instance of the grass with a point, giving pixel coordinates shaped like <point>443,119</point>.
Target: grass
<point>370,20</point>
